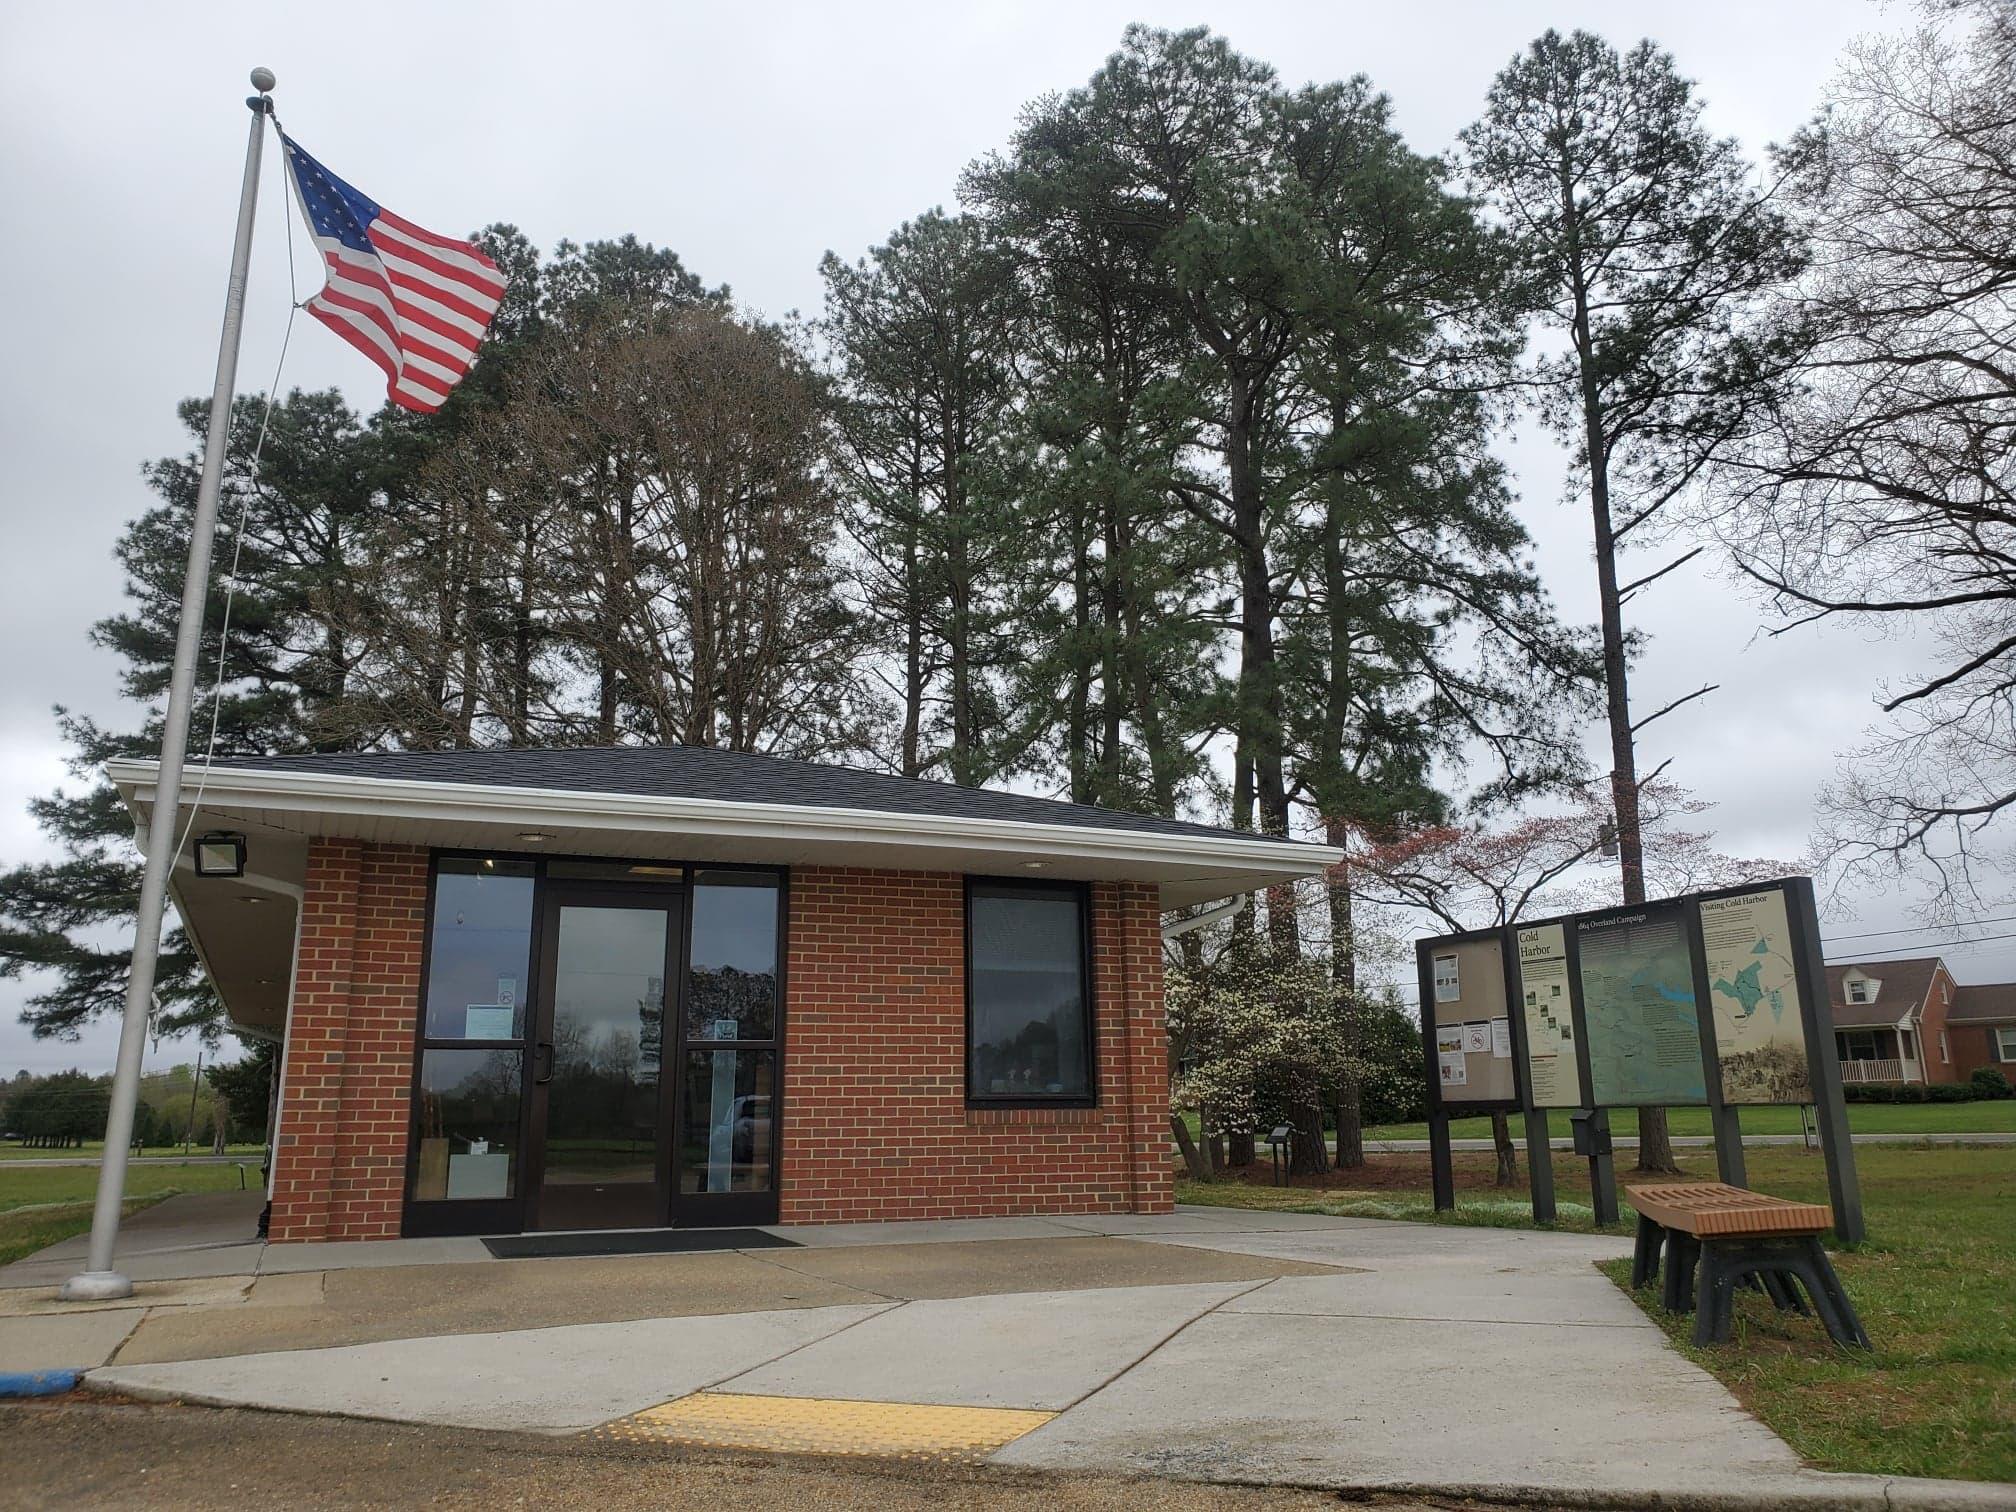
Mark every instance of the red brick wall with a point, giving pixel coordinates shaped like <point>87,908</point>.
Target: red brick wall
<point>1974,1046</point>
<point>875,1118</point>
<point>875,1122</point>
<point>1931,1024</point>
<point>340,1167</point>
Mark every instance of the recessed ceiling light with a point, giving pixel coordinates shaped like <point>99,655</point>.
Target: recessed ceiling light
<point>250,898</point>
<point>1034,865</point>
<point>533,837</point>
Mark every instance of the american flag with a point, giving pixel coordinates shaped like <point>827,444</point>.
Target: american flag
<point>414,302</point>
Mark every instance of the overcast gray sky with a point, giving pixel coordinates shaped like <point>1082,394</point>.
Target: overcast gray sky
<point>751,139</point>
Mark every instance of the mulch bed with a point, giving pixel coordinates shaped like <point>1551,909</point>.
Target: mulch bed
<point>1385,1173</point>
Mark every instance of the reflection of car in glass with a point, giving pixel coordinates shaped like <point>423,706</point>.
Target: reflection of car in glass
<point>751,1117</point>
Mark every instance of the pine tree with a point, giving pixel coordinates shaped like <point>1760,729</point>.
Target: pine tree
<point>1652,249</point>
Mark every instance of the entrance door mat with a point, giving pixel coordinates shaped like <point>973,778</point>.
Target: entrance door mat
<point>632,1242</point>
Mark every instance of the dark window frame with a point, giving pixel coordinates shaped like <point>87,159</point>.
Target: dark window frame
<point>428,1217</point>
<point>1081,892</point>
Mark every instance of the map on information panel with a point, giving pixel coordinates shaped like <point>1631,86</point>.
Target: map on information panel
<point>1753,988</point>
<point>1638,1005</point>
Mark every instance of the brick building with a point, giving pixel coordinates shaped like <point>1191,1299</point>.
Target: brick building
<point>638,988</point>
<point>1908,1021</point>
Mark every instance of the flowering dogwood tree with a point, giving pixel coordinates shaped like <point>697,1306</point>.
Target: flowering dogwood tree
<point>1264,1035</point>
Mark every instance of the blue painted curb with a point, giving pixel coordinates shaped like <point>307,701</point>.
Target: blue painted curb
<point>32,1383</point>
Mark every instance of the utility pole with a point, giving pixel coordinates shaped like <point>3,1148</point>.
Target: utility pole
<point>98,1281</point>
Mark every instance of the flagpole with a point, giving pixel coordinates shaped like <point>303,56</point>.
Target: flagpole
<point>98,1281</point>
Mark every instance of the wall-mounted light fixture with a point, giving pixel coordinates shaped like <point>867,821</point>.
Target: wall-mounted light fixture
<point>221,853</point>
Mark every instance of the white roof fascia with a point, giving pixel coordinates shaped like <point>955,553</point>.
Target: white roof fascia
<point>543,808</point>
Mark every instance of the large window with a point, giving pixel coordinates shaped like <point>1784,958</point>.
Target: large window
<point>1029,1016</point>
<point>2005,1044</point>
<point>727,1122</point>
<point>480,951</point>
<point>470,1095</point>
<point>732,983</point>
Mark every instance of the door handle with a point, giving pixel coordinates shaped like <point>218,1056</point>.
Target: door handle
<point>542,1052</point>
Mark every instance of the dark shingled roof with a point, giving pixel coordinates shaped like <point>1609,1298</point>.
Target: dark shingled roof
<point>1986,1003</point>
<point>724,777</point>
<point>1904,985</point>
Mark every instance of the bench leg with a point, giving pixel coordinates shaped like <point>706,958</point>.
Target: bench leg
<point>1714,1300</point>
<point>1777,1285</point>
<point>1645,1253</point>
<point>1831,1299</point>
<point>1683,1251</point>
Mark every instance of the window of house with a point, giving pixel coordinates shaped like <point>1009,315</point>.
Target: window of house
<point>1907,1044</point>
<point>1945,1053</point>
<point>1028,1004</point>
<point>1859,990</point>
<point>2005,1044</point>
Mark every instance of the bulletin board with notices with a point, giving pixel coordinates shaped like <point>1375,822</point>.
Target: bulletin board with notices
<point>1466,1020</point>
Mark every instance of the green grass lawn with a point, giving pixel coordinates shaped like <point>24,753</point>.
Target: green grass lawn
<point>95,1149</point>
<point>39,1206</point>
<point>1863,1118</point>
<point>1935,1285</point>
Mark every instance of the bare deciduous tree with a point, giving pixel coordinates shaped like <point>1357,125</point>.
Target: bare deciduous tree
<point>1885,489</point>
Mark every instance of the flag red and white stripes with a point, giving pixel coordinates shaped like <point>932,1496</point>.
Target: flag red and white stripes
<point>415,302</point>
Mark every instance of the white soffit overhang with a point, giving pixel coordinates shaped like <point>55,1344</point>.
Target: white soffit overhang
<point>1189,868</point>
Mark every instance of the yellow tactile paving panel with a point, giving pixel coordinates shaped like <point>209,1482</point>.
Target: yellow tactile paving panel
<point>818,1425</point>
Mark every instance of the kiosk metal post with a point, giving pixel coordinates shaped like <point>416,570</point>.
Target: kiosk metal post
<point>1441,1162</point>
<point>1837,1146</point>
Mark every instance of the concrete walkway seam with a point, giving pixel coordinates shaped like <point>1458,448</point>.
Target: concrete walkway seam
<point>895,1304</point>
<point>1163,1342</point>
<point>769,1257</point>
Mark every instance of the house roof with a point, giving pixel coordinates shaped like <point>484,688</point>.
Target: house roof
<point>1987,1003</point>
<point>648,804</point>
<point>1905,983</point>
<point>710,774</point>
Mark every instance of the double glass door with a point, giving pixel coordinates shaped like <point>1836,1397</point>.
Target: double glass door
<point>652,1104</point>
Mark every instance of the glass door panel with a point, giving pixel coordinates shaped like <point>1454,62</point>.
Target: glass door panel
<point>603,1058</point>
<point>727,1121</point>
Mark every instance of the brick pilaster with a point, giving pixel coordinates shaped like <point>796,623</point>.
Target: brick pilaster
<point>341,1159</point>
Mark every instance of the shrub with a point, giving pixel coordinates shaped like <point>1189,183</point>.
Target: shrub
<point>1989,1083</point>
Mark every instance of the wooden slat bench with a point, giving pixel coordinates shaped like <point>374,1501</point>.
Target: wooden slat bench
<point>1732,1235</point>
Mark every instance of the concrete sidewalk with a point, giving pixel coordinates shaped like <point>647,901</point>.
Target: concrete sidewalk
<point>1212,1344</point>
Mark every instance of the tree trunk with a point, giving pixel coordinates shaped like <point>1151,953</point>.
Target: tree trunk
<point>1306,1153</point>
<point>1344,971</point>
<point>1193,1158</point>
<point>1239,1149</point>
<point>1508,1153</point>
<point>1655,1149</point>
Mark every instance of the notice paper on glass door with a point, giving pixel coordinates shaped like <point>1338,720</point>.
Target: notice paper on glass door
<point>1449,1055</point>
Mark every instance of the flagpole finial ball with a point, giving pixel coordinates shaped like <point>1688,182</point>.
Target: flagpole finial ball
<point>263,80</point>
